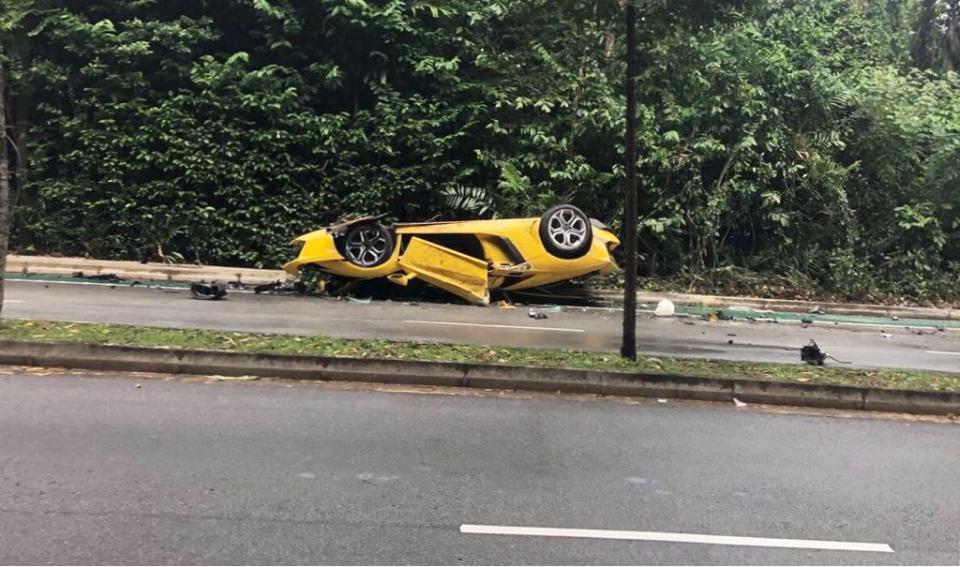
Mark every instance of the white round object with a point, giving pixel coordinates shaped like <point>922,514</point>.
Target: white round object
<point>665,308</point>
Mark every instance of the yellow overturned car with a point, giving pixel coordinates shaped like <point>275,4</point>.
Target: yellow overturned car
<point>466,258</point>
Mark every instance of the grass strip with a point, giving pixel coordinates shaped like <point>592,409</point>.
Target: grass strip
<point>320,345</point>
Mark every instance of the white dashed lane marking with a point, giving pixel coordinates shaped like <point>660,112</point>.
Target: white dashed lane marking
<point>677,538</point>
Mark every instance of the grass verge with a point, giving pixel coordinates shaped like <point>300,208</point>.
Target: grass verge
<point>328,346</point>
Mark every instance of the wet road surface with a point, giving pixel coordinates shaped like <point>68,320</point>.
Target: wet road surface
<point>573,328</point>
<point>132,470</point>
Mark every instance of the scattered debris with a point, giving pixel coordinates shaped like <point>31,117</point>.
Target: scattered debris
<point>266,287</point>
<point>886,335</point>
<point>138,386</point>
<point>534,314</point>
<point>665,308</point>
<point>818,310</point>
<point>210,291</point>
<point>661,400</point>
<point>730,342</point>
<point>279,287</point>
<point>112,278</point>
<point>504,304</point>
<point>362,300</point>
<point>895,318</point>
<point>806,321</point>
<point>731,334</point>
<point>718,315</point>
<point>738,403</point>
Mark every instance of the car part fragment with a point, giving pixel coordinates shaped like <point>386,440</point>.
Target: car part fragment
<point>812,354</point>
<point>447,269</point>
<point>208,291</point>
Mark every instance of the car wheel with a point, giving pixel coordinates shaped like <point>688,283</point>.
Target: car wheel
<point>566,232</point>
<point>367,245</point>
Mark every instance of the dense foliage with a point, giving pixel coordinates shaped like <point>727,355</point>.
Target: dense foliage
<point>813,139</point>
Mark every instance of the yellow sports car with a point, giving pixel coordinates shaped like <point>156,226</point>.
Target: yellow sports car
<point>466,258</point>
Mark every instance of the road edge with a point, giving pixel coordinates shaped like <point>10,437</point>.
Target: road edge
<point>186,273</point>
<point>470,375</point>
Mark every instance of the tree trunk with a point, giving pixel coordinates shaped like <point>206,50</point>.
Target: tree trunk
<point>921,50</point>
<point>21,125</point>
<point>4,181</point>
<point>952,36</point>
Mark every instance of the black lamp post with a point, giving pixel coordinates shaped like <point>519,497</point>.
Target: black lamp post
<point>628,349</point>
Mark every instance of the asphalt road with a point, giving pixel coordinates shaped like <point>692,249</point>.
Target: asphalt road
<point>98,470</point>
<point>573,328</point>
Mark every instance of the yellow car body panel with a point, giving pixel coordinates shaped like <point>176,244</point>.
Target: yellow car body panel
<point>514,256</point>
<point>447,269</point>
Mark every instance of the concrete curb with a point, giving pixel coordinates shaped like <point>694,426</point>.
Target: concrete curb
<point>306,367</point>
<point>137,271</point>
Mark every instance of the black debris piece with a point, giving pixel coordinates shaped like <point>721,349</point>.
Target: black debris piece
<point>811,354</point>
<point>208,291</point>
<point>266,287</point>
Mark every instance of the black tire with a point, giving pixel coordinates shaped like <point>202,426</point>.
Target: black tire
<point>366,245</point>
<point>566,232</point>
